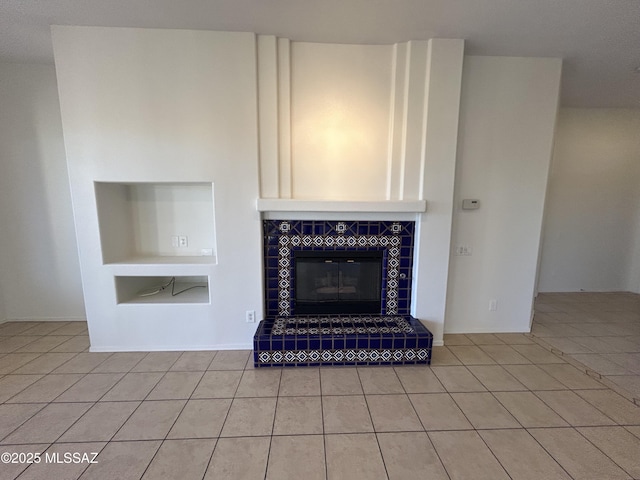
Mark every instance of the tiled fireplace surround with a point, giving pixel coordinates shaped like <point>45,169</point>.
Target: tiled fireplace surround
<point>393,337</point>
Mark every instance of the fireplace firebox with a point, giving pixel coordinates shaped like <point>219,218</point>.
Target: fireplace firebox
<point>338,282</point>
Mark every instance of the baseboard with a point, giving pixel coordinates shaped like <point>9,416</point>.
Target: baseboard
<point>438,343</point>
<point>171,348</point>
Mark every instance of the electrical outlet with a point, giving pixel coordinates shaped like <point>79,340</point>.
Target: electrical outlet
<point>174,241</point>
<point>251,316</point>
<point>493,305</point>
<point>463,250</point>
<point>183,241</point>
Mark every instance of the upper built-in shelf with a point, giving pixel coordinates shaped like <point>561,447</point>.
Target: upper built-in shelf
<point>156,223</point>
<point>383,206</point>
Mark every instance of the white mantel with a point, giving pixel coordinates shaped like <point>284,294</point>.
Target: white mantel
<point>329,206</point>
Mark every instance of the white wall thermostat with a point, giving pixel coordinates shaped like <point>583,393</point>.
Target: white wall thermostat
<point>470,204</point>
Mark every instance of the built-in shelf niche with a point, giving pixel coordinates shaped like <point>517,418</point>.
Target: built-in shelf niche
<point>139,222</point>
<point>140,290</point>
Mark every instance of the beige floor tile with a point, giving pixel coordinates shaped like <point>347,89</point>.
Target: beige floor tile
<point>152,420</point>
<point>418,379</point>
<point>537,354</point>
<point>622,344</point>
<point>484,338</point>
<point>82,363</point>
<point>630,361</point>
<point>201,419</point>
<point>133,386</point>
<point>239,458</point>
<point>193,361</point>
<point>12,361</point>
<point>484,411</point>
<point>262,382</point>
<point>250,417</point>
<point>218,384</point>
<point>297,457</point>
<point>78,343</point>
<point>456,339</point>
<point>618,444</point>
<point>346,414</point>
<point>410,456</point>
<point>458,379</point>
<point>12,416</point>
<point>11,385</point>
<point>575,410</point>
<point>157,362</point>
<point>379,380</point>
<point>634,430</point>
<point>504,354</point>
<point>570,376</point>
<point>577,455</point>
<point>443,356</point>
<point>438,411</point>
<point>496,378</point>
<point>122,461</point>
<point>175,385</point>
<point>48,424</point>
<point>297,382</point>
<point>11,471</point>
<point>393,413</point>
<point>594,343</point>
<point>613,405</point>
<point>534,378</point>
<point>471,355</point>
<point>45,363</point>
<point>11,344</point>
<point>73,328</point>
<point>566,345</point>
<point>601,364</point>
<point>16,328</point>
<point>90,388</point>
<point>514,338</point>
<point>354,457</point>
<point>298,416</point>
<point>521,456</point>
<point>230,360</point>
<point>46,389</point>
<point>86,452</point>
<point>183,459</point>
<point>340,381</point>
<point>529,410</point>
<point>43,344</point>
<point>630,383</point>
<point>466,456</point>
<point>100,423</point>
<point>120,362</point>
<point>44,328</point>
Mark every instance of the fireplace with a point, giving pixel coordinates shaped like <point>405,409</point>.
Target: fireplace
<point>339,293</point>
<point>347,282</point>
<point>390,243</point>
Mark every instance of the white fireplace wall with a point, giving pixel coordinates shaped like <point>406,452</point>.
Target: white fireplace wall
<point>507,120</point>
<point>165,106</point>
<point>144,105</point>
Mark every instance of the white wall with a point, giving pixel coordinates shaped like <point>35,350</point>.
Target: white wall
<point>592,225</point>
<point>507,117</point>
<point>178,106</point>
<point>340,111</point>
<point>39,272</point>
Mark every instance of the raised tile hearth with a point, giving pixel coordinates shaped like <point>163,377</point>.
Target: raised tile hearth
<point>341,340</point>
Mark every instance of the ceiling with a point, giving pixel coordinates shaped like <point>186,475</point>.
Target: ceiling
<point>599,40</point>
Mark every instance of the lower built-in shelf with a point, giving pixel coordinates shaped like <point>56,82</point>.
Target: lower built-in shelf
<point>140,290</point>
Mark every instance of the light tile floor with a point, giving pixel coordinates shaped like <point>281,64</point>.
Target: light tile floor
<point>601,331</point>
<point>490,407</point>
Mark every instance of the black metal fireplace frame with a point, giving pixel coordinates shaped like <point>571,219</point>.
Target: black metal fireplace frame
<point>344,306</point>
